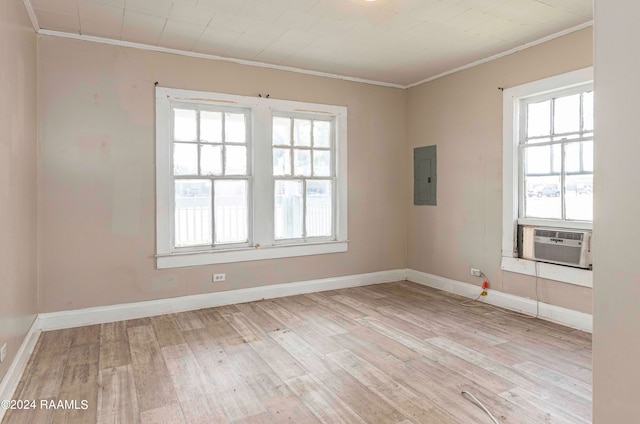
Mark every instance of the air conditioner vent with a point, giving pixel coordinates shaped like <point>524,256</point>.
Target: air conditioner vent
<point>570,236</point>
<point>545,233</point>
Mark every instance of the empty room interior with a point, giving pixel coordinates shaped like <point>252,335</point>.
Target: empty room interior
<point>319,211</point>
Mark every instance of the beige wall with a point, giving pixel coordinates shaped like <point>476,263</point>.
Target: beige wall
<point>97,174</point>
<point>18,176</point>
<point>462,115</point>
<point>616,334</point>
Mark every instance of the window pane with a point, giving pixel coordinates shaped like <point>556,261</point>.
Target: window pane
<point>321,163</point>
<point>556,159</point>
<point>542,199</point>
<point>236,160</point>
<point>579,197</point>
<point>185,125</point>
<point>319,208</point>
<point>281,162</point>
<point>539,119</point>
<point>234,128</point>
<point>587,156</point>
<point>192,213</point>
<point>572,157</point>
<point>302,162</point>
<point>302,132</point>
<point>587,110</point>
<point>321,134</point>
<point>281,131</point>
<point>288,209</point>
<point>231,211</point>
<point>211,127</point>
<point>537,160</point>
<point>185,159</point>
<point>210,160</point>
<point>566,115</point>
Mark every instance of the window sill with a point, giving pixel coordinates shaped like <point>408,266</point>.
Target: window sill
<point>565,274</point>
<point>177,260</point>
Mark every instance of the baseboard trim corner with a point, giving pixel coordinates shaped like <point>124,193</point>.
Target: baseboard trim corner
<point>125,311</point>
<point>548,312</point>
<point>11,379</point>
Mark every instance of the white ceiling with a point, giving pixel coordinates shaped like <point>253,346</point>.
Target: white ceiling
<point>392,41</point>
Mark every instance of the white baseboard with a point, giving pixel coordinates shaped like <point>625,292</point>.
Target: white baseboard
<point>11,379</point>
<point>557,314</point>
<point>125,311</point>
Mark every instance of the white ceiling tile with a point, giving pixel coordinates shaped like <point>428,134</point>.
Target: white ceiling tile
<point>339,10</point>
<point>187,13</point>
<point>141,28</point>
<point>102,28</point>
<point>222,6</point>
<point>468,19</point>
<point>330,26</point>
<point>298,20</point>
<point>69,7</point>
<point>160,8</point>
<point>262,11</point>
<point>216,40</point>
<point>180,35</point>
<point>111,3</point>
<point>497,27</point>
<point>58,21</point>
<point>230,22</point>
<point>440,12</point>
<point>99,11</point>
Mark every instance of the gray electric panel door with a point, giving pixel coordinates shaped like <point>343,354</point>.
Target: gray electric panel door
<point>425,177</point>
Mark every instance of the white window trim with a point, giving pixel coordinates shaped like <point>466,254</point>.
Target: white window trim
<point>263,243</point>
<point>510,181</point>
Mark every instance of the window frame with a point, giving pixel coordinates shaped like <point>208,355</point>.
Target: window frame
<point>261,231</point>
<point>522,146</point>
<point>511,124</point>
<point>248,176</point>
<point>293,177</point>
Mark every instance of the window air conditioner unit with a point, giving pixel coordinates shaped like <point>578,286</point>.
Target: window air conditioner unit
<point>557,245</point>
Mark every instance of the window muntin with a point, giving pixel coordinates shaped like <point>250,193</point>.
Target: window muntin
<point>556,156</point>
<point>211,174</point>
<point>304,177</point>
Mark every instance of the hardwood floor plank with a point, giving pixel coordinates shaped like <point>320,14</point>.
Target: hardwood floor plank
<point>168,414</point>
<point>323,404</point>
<point>167,331</point>
<point>571,385</point>
<point>398,396</point>
<point>189,320</point>
<point>195,394</point>
<point>117,399</point>
<point>79,383</point>
<point>154,387</point>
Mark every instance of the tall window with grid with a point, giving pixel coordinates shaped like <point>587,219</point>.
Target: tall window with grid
<point>304,177</point>
<point>211,173</point>
<point>556,155</point>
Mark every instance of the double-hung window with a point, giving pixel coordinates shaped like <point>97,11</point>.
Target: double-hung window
<point>243,178</point>
<point>556,156</point>
<point>547,165</point>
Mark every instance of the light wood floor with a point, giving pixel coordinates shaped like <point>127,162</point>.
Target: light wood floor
<point>389,353</point>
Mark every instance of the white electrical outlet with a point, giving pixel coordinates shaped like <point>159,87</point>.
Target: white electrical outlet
<point>3,352</point>
<point>219,277</point>
<point>476,272</point>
